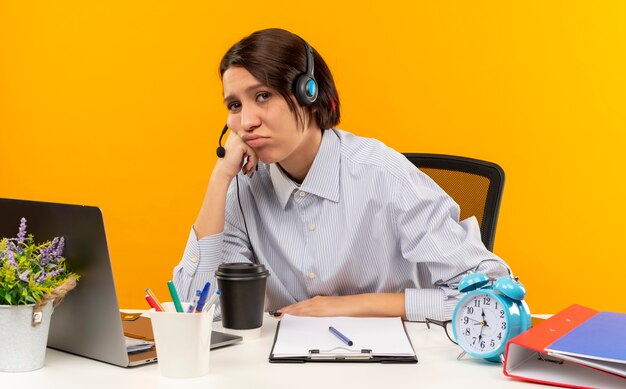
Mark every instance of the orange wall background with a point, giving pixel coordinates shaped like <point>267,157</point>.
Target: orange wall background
<point>118,104</point>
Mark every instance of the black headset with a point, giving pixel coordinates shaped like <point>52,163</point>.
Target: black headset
<point>304,88</point>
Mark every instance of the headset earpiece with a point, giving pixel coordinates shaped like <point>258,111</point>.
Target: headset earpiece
<point>306,90</point>
<point>305,86</point>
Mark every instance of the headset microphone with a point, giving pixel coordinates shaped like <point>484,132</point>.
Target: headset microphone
<point>221,152</point>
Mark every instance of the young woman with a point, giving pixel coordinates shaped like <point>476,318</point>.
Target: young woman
<point>345,225</point>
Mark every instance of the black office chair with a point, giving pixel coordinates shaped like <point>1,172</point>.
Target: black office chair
<point>474,184</point>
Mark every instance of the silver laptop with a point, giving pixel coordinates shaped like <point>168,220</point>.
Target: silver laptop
<point>88,321</point>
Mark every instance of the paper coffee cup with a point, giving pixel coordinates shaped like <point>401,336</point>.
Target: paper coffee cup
<point>242,298</point>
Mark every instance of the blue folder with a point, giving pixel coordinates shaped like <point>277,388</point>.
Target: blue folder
<point>602,337</point>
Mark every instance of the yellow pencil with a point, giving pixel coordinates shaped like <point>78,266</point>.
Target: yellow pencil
<point>156,300</point>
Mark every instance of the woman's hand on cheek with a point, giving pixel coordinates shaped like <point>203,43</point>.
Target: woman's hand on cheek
<point>236,151</point>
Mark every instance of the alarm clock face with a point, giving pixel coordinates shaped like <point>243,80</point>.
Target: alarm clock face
<point>481,324</point>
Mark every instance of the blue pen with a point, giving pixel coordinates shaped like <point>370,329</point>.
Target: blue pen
<point>203,297</point>
<point>340,336</point>
<point>194,302</point>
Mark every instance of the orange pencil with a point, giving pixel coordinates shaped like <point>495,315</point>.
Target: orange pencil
<point>152,303</point>
<point>156,300</point>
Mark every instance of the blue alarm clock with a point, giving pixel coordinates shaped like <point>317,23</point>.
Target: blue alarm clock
<point>492,312</point>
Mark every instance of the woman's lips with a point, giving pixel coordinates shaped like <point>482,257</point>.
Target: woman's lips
<point>256,141</point>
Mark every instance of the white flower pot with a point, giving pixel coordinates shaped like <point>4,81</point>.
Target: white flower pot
<point>22,345</point>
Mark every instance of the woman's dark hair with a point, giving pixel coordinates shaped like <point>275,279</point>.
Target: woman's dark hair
<point>276,58</point>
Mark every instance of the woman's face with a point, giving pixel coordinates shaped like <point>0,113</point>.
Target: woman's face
<point>261,117</point>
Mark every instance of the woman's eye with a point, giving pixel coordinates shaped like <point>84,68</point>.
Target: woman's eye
<point>233,106</point>
<point>263,96</point>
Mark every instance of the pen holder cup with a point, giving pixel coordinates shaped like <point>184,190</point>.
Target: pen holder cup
<point>183,341</point>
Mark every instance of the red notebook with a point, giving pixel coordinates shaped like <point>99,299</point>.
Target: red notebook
<point>534,355</point>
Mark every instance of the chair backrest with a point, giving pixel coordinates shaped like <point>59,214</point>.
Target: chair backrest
<point>474,184</point>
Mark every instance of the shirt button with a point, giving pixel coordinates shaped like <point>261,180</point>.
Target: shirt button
<point>311,275</point>
<point>311,227</point>
<point>194,259</point>
<point>301,194</point>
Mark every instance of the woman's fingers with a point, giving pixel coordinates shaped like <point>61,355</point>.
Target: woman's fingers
<point>250,167</point>
<point>239,156</point>
<point>316,306</point>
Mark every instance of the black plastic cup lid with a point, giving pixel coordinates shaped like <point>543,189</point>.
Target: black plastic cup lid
<point>241,270</point>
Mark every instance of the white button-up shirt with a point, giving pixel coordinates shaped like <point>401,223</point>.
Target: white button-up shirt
<point>364,220</point>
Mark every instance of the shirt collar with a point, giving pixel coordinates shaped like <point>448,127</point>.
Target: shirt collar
<point>322,179</point>
<point>283,185</point>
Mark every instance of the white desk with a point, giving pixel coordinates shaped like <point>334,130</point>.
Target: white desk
<point>246,365</point>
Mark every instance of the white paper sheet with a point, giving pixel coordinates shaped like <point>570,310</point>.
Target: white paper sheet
<point>133,345</point>
<point>384,336</point>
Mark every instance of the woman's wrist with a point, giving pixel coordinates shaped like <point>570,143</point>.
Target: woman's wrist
<point>221,176</point>
<point>381,304</point>
<point>210,220</point>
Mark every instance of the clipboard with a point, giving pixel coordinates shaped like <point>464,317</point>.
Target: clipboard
<point>341,353</point>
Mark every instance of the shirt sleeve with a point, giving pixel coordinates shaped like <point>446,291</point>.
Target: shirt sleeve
<point>198,265</point>
<point>202,257</point>
<point>442,247</point>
